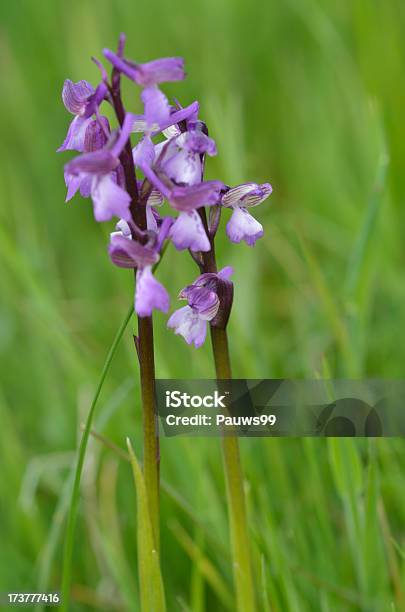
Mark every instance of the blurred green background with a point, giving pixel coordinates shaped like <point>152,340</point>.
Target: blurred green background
<point>310,95</point>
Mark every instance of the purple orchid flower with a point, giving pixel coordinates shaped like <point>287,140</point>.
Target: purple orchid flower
<point>242,226</point>
<point>95,138</point>
<point>207,296</point>
<point>179,161</point>
<point>180,158</point>
<point>83,101</point>
<point>99,172</point>
<point>128,253</point>
<point>187,232</point>
<point>149,75</point>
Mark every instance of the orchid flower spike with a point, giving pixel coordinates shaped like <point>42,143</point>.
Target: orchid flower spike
<point>173,170</point>
<point>209,299</point>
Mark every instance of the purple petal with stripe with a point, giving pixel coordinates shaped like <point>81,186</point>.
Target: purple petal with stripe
<point>210,279</point>
<point>151,222</point>
<point>96,135</point>
<point>201,300</point>
<point>127,253</point>
<point>247,194</point>
<point>75,96</point>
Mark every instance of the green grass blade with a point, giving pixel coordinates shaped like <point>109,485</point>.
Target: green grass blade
<point>150,578</point>
<point>206,568</point>
<point>328,302</point>
<point>71,523</point>
<point>347,473</point>
<point>358,258</point>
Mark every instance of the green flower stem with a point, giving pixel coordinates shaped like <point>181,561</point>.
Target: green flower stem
<point>235,493</point>
<point>240,544</point>
<point>150,432</point>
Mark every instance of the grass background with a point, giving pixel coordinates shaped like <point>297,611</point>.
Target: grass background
<point>309,94</point>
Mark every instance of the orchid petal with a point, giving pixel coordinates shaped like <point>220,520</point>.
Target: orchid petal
<point>149,294</point>
<point>150,73</point>
<point>109,200</point>
<point>242,226</point>
<point>189,324</point>
<point>151,222</point>
<point>248,194</point>
<point>195,196</point>
<point>155,198</point>
<point>96,135</point>
<point>144,152</point>
<point>201,300</point>
<point>169,127</point>
<point>73,184</point>
<point>157,109</point>
<point>75,136</point>
<point>160,71</point>
<point>97,162</point>
<point>225,273</point>
<point>75,96</point>
<point>188,232</point>
<point>95,100</point>
<point>127,253</point>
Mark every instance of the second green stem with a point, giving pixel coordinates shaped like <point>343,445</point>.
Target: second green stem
<point>235,493</point>
<point>242,571</point>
